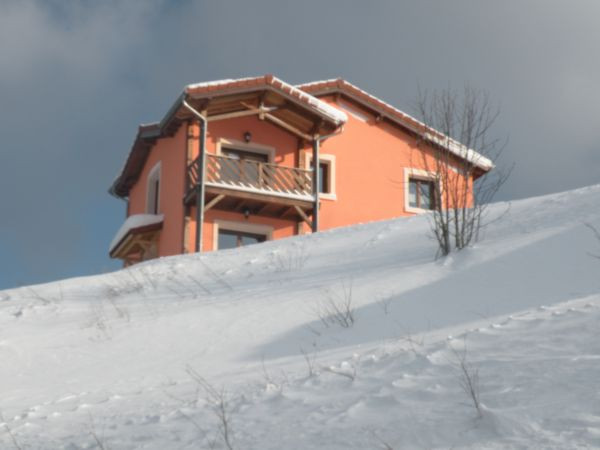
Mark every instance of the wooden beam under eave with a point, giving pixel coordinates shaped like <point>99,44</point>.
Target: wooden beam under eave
<point>213,202</point>
<point>238,204</point>
<point>246,112</point>
<point>303,215</point>
<point>290,128</point>
<point>287,212</point>
<point>262,209</point>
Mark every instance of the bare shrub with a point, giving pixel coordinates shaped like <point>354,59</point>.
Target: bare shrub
<point>336,308</point>
<point>415,344</point>
<point>98,320</point>
<point>462,189</point>
<point>99,440</point>
<point>384,304</point>
<point>383,443</point>
<point>468,377</point>
<point>218,400</point>
<point>120,286</point>
<point>310,359</point>
<point>44,299</point>
<point>596,233</point>
<point>11,435</point>
<point>216,277</point>
<point>291,258</point>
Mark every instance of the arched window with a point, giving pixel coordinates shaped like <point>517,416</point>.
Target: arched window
<point>153,190</point>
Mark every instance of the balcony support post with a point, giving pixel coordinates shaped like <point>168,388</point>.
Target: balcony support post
<point>316,181</point>
<point>315,184</point>
<point>200,187</point>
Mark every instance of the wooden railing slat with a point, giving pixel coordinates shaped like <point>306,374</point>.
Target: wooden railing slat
<point>258,175</point>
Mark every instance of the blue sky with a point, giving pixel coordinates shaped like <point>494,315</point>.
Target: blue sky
<point>77,77</point>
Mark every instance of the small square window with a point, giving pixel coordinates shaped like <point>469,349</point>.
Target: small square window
<point>324,177</point>
<point>421,193</point>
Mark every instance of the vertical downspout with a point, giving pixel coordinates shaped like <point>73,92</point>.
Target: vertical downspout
<point>200,183</point>
<point>316,174</point>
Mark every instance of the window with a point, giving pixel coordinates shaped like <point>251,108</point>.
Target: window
<point>234,239</point>
<point>324,187</point>
<point>325,176</point>
<point>230,234</point>
<point>245,170</point>
<point>326,173</point>
<point>244,155</point>
<point>153,191</point>
<point>421,193</point>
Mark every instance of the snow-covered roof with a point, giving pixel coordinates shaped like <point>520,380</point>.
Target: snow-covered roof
<point>337,115</point>
<point>217,83</point>
<point>133,222</point>
<point>334,114</point>
<point>407,120</point>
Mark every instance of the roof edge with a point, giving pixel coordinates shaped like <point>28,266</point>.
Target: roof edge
<point>339,85</point>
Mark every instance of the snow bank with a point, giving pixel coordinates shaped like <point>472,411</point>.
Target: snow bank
<point>116,356</point>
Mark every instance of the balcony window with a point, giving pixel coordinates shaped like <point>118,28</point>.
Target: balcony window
<point>247,171</point>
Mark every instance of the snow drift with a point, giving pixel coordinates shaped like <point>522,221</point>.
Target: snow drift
<point>169,353</point>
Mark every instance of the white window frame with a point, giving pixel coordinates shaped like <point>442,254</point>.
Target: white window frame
<point>244,227</point>
<point>248,147</point>
<point>330,161</point>
<point>423,175</point>
<point>153,175</point>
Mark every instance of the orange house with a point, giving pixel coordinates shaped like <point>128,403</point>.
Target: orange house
<point>231,164</point>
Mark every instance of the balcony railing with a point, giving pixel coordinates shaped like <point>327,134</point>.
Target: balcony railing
<point>255,176</point>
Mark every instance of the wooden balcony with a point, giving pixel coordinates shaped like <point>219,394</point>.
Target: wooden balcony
<point>261,188</point>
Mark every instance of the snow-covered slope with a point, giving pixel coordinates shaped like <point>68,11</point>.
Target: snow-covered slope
<point>114,361</point>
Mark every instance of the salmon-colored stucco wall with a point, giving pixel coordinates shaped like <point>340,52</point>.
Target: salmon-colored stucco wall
<point>171,153</point>
<point>370,158</point>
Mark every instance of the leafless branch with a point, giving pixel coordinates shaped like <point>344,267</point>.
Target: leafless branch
<point>217,398</point>
<point>310,361</point>
<point>462,190</point>
<point>596,234</point>
<point>10,433</point>
<point>336,308</point>
<point>468,377</point>
<point>99,442</point>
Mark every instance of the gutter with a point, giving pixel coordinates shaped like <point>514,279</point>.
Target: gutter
<point>316,148</point>
<point>200,187</point>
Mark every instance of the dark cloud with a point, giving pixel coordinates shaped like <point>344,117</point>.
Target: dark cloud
<point>76,77</point>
